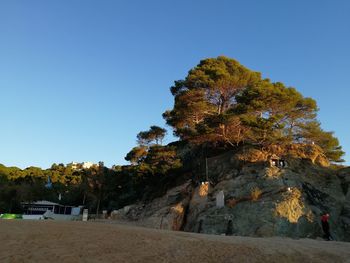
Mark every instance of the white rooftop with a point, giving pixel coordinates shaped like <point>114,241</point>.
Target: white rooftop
<point>42,202</point>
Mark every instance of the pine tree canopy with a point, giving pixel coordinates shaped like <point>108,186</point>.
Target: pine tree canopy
<point>222,101</point>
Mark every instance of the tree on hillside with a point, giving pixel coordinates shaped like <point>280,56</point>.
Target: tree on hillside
<point>274,112</point>
<point>150,157</point>
<point>208,91</point>
<point>137,154</point>
<point>155,135</point>
<point>313,133</point>
<point>161,159</point>
<point>94,180</point>
<point>222,101</point>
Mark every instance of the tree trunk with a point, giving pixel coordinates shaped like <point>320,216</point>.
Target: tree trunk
<point>98,207</point>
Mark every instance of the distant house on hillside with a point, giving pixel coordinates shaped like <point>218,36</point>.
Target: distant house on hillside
<point>87,165</point>
<point>83,165</point>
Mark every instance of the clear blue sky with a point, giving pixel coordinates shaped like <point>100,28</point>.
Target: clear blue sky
<point>79,79</point>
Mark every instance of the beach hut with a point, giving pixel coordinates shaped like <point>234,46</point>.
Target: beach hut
<point>40,207</point>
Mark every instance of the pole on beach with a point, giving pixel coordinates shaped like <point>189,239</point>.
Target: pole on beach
<point>206,169</point>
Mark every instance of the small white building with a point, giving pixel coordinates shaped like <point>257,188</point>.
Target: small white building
<point>40,207</point>
<point>83,165</point>
<point>87,165</point>
<point>40,210</point>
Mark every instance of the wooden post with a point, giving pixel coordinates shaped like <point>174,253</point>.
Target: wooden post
<point>206,169</point>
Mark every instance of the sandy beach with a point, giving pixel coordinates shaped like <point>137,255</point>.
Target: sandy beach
<point>59,241</point>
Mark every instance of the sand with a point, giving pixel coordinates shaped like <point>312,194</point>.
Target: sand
<point>59,241</point>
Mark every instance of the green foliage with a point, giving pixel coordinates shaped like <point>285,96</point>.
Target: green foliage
<point>18,185</point>
<point>274,112</point>
<point>154,134</point>
<point>137,155</point>
<point>208,90</point>
<point>313,133</point>
<point>96,188</point>
<point>150,157</point>
<point>161,159</point>
<point>221,101</point>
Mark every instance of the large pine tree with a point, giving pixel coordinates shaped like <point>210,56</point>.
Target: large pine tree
<point>222,101</point>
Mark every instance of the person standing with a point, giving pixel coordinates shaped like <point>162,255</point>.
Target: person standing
<point>325,226</point>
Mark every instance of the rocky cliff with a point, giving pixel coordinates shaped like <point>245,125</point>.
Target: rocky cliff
<point>271,192</point>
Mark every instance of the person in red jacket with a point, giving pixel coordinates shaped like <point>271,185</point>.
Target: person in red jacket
<point>325,226</point>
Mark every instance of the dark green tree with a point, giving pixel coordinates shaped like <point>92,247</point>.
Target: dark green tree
<point>313,133</point>
<point>274,112</point>
<point>155,135</point>
<point>137,155</point>
<point>206,95</point>
<point>161,159</point>
<point>222,101</point>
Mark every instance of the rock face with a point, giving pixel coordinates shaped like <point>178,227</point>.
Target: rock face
<point>167,212</point>
<point>279,193</point>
